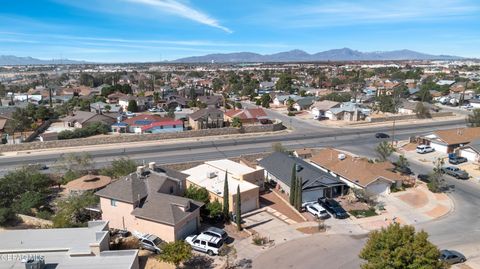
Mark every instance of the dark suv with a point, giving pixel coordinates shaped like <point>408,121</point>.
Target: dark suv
<point>334,208</point>
<point>457,160</point>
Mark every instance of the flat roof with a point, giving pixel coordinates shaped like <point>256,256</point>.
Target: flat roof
<point>71,240</point>
<point>118,259</point>
<point>234,168</point>
<point>213,179</point>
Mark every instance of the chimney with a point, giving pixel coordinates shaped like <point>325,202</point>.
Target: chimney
<point>140,170</point>
<point>151,166</point>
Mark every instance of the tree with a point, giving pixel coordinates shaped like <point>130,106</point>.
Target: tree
<point>119,168</point>
<point>132,106</point>
<point>400,247</point>
<point>278,147</point>
<point>298,194</point>
<point>6,215</point>
<point>386,104</point>
<point>293,185</point>
<point>74,165</point>
<point>402,161</point>
<point>226,195</point>
<point>108,108</point>
<point>197,194</point>
<point>265,100</point>
<point>384,150</point>
<point>436,183</point>
<point>175,252</point>
<point>473,120</point>
<point>238,210</point>
<point>284,83</point>
<point>424,94</point>
<point>171,113</point>
<point>422,111</point>
<point>236,122</point>
<point>338,97</point>
<point>72,211</point>
<point>214,208</point>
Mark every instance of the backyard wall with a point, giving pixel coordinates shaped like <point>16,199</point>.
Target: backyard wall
<point>407,117</point>
<point>126,138</point>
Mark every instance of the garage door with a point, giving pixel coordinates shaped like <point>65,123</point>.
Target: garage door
<point>187,229</point>
<point>379,188</point>
<point>312,195</point>
<point>438,147</point>
<point>249,205</point>
<point>469,154</point>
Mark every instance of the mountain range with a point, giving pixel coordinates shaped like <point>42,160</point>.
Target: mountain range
<point>14,60</point>
<point>344,54</point>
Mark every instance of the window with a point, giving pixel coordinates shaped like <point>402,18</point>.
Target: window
<point>113,202</point>
<point>203,243</point>
<point>174,126</point>
<point>196,242</point>
<point>171,189</point>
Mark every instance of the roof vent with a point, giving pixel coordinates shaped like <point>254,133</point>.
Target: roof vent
<point>299,167</point>
<point>211,174</point>
<point>341,156</point>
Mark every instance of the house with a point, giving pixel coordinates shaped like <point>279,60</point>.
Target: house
<point>281,100</point>
<point>3,122</point>
<point>319,108</point>
<point>267,85</point>
<point>316,183</point>
<point>247,115</point>
<point>125,100</point>
<point>148,123</point>
<point>74,248</point>
<point>409,107</point>
<point>211,175</point>
<point>114,98</point>
<point>305,153</point>
<point>303,103</point>
<point>471,151</point>
<point>171,126</point>
<point>211,100</point>
<point>99,107</point>
<point>446,141</point>
<point>148,201</point>
<point>356,172</point>
<point>173,101</point>
<point>210,117</point>
<point>80,119</point>
<point>445,82</point>
<point>348,111</point>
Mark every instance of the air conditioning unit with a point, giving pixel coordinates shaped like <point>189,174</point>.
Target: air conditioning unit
<point>211,174</point>
<point>341,156</point>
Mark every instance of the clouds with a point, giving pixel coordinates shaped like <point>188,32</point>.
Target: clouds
<point>348,12</point>
<point>182,10</point>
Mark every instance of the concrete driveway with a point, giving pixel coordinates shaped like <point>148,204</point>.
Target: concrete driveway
<point>316,251</point>
<point>267,225</point>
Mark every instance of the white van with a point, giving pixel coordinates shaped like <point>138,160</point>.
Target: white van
<point>205,243</point>
<point>422,149</point>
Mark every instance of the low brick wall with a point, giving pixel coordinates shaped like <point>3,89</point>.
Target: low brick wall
<point>407,117</point>
<point>111,139</point>
<point>35,221</point>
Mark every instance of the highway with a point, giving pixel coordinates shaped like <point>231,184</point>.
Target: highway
<point>359,140</point>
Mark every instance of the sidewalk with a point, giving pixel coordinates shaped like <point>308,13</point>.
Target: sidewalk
<point>415,205</point>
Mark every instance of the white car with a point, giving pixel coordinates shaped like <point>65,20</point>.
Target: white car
<point>205,243</point>
<point>129,114</point>
<point>317,210</point>
<point>422,149</point>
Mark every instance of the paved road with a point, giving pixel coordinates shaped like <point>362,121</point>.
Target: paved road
<point>316,251</point>
<point>360,140</point>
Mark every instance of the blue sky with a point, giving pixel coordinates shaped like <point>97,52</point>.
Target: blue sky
<point>153,30</point>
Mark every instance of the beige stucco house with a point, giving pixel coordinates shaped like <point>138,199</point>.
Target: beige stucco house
<point>211,175</point>
<point>147,201</point>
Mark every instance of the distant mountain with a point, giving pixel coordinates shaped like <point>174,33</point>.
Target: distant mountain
<point>344,54</point>
<point>14,60</point>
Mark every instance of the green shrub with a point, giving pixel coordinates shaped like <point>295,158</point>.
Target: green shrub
<point>363,213</point>
<point>6,216</point>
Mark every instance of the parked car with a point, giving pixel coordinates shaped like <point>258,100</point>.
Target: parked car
<point>316,210</point>
<point>422,149</point>
<point>424,177</point>
<point>455,172</point>
<point>334,208</point>
<point>129,114</point>
<point>216,232</point>
<point>205,243</point>
<point>150,242</point>
<point>381,135</point>
<point>403,169</point>
<point>457,159</point>
<point>452,256</point>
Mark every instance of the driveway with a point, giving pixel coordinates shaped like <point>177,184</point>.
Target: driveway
<point>315,251</point>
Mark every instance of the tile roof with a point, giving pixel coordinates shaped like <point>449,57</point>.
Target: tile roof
<point>356,170</point>
<point>458,135</point>
<point>246,113</point>
<point>211,112</point>
<point>143,190</point>
<point>162,123</point>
